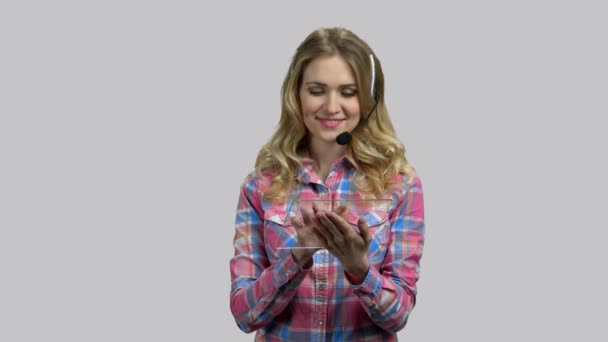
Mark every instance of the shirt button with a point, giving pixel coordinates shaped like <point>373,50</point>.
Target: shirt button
<point>320,322</point>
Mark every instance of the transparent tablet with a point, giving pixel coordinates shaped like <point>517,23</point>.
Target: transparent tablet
<point>374,211</point>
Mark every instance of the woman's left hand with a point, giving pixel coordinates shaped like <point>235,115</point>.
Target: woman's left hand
<point>343,241</point>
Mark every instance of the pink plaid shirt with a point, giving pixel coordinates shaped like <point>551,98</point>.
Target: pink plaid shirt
<point>272,295</point>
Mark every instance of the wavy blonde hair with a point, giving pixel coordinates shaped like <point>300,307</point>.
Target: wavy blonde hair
<point>374,151</point>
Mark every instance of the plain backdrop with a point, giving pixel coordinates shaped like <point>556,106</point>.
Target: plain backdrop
<point>127,127</point>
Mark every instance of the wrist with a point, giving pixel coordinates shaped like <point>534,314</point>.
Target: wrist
<point>357,274</point>
<point>302,257</point>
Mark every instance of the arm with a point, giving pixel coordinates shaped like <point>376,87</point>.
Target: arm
<point>259,291</point>
<point>388,294</point>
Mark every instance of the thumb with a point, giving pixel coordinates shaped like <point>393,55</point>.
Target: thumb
<point>296,222</point>
<point>364,230</point>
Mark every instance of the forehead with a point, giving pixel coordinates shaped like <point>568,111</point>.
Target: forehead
<point>329,70</point>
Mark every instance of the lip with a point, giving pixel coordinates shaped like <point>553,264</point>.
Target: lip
<point>330,123</point>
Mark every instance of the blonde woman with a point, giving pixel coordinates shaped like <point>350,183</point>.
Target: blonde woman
<point>317,278</point>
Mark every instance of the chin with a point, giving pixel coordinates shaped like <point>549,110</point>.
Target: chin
<point>330,139</point>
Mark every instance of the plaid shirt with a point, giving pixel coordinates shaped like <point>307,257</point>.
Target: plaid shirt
<point>274,296</point>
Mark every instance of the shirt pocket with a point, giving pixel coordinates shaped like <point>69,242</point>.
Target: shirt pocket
<point>379,226</point>
<point>279,233</point>
<point>380,243</point>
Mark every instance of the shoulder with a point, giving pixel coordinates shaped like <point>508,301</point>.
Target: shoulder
<point>413,179</point>
<point>408,178</point>
<point>408,181</point>
<point>256,182</point>
<point>252,190</point>
<point>407,195</point>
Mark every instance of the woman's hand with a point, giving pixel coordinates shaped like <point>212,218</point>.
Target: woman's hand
<point>343,241</point>
<point>309,241</point>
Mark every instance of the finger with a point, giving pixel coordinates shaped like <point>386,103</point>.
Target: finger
<point>364,230</point>
<point>340,224</point>
<point>342,211</point>
<point>331,234</point>
<point>323,234</point>
<point>296,222</point>
<point>307,216</point>
<point>334,229</point>
<point>316,208</point>
<point>322,239</point>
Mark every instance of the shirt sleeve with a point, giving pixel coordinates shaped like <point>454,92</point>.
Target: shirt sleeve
<point>388,294</point>
<point>259,291</point>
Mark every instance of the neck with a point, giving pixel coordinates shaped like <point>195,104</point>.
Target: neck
<point>325,154</point>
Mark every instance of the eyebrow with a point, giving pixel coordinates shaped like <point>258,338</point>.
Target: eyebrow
<point>325,85</point>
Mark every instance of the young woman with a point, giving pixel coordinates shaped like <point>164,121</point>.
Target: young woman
<point>334,141</point>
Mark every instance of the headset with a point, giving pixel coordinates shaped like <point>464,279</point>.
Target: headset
<point>344,138</point>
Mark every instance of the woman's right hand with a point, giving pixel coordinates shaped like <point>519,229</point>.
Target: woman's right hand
<point>309,241</point>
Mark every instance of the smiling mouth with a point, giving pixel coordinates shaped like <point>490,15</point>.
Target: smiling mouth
<point>330,123</point>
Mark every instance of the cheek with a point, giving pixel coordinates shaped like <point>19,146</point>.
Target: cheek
<point>310,105</point>
<point>352,108</point>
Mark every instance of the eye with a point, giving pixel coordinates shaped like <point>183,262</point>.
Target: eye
<point>349,92</point>
<point>315,91</point>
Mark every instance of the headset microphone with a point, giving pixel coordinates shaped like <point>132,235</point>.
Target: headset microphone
<point>344,138</point>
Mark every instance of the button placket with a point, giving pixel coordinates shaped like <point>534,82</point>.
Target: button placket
<point>321,290</point>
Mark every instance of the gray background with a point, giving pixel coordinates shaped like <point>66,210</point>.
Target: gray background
<point>127,127</point>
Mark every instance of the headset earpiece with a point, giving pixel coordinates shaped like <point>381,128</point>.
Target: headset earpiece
<point>345,137</point>
<point>372,87</point>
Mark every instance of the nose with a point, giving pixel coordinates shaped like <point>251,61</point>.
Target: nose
<point>332,105</point>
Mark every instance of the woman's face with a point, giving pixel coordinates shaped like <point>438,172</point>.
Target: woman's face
<point>329,98</point>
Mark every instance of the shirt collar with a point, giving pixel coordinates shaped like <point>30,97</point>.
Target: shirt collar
<point>306,172</point>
